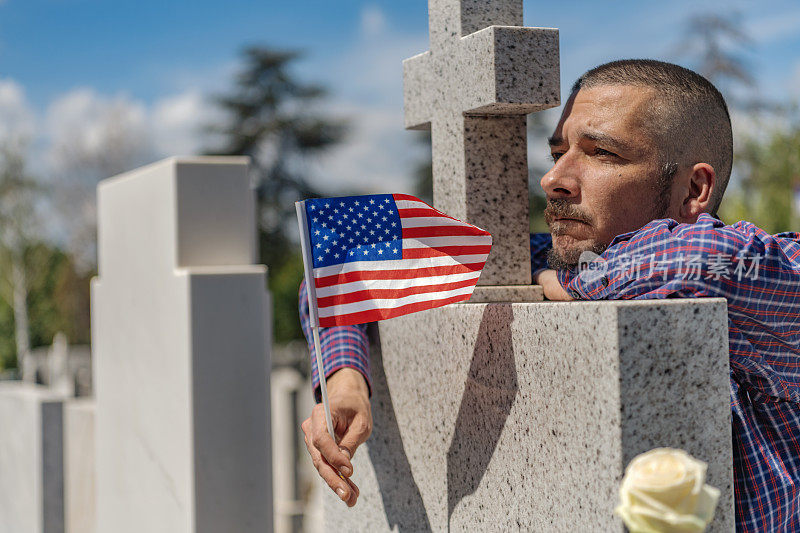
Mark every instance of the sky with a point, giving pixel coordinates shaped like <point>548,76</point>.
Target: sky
<point>72,70</point>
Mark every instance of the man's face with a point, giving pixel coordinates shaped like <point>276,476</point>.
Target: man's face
<point>604,179</point>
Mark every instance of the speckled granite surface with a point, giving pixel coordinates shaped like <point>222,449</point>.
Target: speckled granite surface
<point>473,89</point>
<point>521,417</point>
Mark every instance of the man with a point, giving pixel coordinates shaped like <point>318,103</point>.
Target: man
<point>642,154</point>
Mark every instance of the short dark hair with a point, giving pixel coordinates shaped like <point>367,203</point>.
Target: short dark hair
<point>689,118</point>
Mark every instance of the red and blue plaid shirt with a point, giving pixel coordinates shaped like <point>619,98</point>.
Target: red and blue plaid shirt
<point>759,275</point>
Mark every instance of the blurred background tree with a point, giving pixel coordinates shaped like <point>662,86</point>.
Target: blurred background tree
<point>41,292</point>
<point>271,117</point>
<point>765,181</point>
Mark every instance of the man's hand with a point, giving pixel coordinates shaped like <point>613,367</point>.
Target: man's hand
<point>552,288</point>
<point>352,422</point>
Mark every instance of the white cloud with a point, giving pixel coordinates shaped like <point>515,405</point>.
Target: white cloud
<point>177,124</point>
<point>373,20</point>
<point>377,155</point>
<point>89,130</point>
<point>17,119</point>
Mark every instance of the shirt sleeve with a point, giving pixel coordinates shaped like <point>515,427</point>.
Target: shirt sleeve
<point>540,244</point>
<point>756,272</point>
<point>342,347</point>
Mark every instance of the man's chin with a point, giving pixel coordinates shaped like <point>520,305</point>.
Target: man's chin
<point>569,257</point>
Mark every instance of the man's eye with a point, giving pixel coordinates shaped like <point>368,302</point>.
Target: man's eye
<point>600,151</point>
<point>555,155</point>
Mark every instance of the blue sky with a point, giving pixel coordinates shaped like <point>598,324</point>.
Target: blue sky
<point>67,65</point>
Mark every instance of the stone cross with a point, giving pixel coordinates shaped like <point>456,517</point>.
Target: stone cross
<point>482,75</point>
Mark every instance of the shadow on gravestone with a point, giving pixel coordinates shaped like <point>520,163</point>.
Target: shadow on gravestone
<point>489,394</point>
<point>402,500</point>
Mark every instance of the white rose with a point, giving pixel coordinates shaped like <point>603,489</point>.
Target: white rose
<point>663,491</point>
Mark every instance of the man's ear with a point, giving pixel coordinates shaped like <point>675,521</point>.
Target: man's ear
<point>701,181</point>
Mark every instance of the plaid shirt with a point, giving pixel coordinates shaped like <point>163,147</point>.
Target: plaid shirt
<point>759,275</point>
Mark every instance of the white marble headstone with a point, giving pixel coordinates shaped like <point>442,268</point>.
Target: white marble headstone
<point>181,332</point>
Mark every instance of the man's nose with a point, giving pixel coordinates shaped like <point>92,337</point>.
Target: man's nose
<point>561,180</point>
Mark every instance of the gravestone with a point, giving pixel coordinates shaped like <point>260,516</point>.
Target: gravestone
<point>59,378</point>
<point>79,467</point>
<point>522,416</point>
<point>31,459</point>
<point>482,75</point>
<point>180,338</point>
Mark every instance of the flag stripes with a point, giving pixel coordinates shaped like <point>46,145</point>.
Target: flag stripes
<point>433,259</point>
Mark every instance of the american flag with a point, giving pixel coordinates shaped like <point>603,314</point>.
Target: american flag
<point>380,256</point>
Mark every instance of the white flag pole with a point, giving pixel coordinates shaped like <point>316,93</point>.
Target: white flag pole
<point>312,310</point>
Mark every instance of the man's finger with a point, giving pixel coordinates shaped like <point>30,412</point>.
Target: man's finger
<point>344,489</point>
<point>323,442</point>
<point>358,432</point>
<point>354,493</point>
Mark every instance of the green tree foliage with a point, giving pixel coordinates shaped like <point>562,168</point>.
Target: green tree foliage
<point>271,116</point>
<point>58,300</point>
<point>765,174</point>
<point>770,184</point>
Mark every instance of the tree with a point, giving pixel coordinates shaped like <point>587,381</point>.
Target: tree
<point>104,139</point>
<point>271,116</point>
<point>17,227</point>
<point>769,189</point>
<point>765,159</point>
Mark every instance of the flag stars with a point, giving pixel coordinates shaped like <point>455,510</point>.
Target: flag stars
<point>366,252</point>
<point>384,219</point>
<point>316,232</point>
<point>395,250</point>
<point>325,237</point>
<point>371,200</point>
<point>380,252</point>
